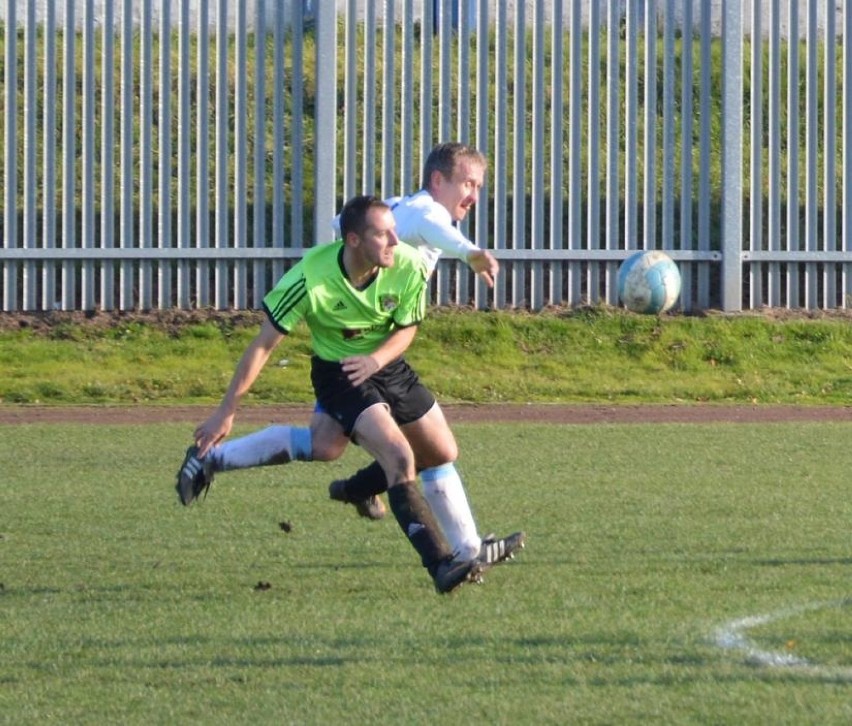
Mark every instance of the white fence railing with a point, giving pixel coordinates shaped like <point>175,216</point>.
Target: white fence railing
<point>182,154</point>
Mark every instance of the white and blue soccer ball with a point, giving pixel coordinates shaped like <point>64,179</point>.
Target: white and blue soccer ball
<point>649,282</point>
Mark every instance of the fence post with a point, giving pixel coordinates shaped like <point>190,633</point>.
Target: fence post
<point>732,155</point>
<point>10,168</point>
<point>325,139</point>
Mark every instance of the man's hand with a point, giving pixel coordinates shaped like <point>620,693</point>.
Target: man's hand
<point>212,431</point>
<point>358,368</point>
<point>484,264</point>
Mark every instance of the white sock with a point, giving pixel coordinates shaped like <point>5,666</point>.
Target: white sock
<point>272,445</point>
<point>443,489</point>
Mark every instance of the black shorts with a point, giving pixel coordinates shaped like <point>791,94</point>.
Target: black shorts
<point>396,384</point>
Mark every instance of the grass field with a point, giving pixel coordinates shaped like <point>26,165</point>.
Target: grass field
<point>673,574</point>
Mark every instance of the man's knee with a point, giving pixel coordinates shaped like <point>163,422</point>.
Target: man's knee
<point>447,451</point>
<point>399,465</point>
<point>328,449</point>
<point>328,440</point>
<point>432,440</point>
<point>441,451</point>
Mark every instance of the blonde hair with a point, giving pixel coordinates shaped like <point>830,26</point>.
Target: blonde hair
<point>443,158</point>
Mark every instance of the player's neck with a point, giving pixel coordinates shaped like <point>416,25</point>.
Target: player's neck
<point>359,271</point>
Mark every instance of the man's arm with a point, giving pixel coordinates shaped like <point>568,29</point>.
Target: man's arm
<point>218,426</point>
<point>443,235</point>
<point>360,367</point>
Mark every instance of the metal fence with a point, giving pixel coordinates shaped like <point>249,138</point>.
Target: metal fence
<point>185,157</point>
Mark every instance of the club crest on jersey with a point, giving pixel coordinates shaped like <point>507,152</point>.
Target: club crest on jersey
<point>390,302</point>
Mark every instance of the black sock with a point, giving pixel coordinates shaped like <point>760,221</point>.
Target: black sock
<point>418,523</point>
<point>366,482</point>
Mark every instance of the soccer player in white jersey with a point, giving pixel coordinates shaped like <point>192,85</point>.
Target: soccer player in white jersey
<point>427,220</point>
<point>452,179</point>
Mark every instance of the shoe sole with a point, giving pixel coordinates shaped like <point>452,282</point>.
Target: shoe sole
<point>506,556</point>
<point>185,486</point>
<point>372,508</point>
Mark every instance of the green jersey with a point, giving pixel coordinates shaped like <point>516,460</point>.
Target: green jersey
<point>344,320</point>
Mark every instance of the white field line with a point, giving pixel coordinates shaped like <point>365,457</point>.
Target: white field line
<point>732,636</point>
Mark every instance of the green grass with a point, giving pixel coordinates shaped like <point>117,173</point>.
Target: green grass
<point>585,355</point>
<point>119,606</point>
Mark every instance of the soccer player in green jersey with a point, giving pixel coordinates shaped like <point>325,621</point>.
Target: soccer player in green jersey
<point>362,299</point>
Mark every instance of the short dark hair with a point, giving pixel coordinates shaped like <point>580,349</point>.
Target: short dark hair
<point>353,218</point>
<point>443,158</point>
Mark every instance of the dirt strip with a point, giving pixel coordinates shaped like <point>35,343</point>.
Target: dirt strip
<point>456,413</point>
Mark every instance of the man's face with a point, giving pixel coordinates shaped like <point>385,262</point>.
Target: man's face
<point>379,238</point>
<point>461,191</point>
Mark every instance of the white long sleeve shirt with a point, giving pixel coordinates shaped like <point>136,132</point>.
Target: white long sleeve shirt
<point>423,223</point>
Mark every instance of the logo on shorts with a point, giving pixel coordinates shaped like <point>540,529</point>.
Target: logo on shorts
<point>390,302</point>
<point>340,305</point>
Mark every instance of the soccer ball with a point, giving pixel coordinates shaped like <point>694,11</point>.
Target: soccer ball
<point>648,282</point>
